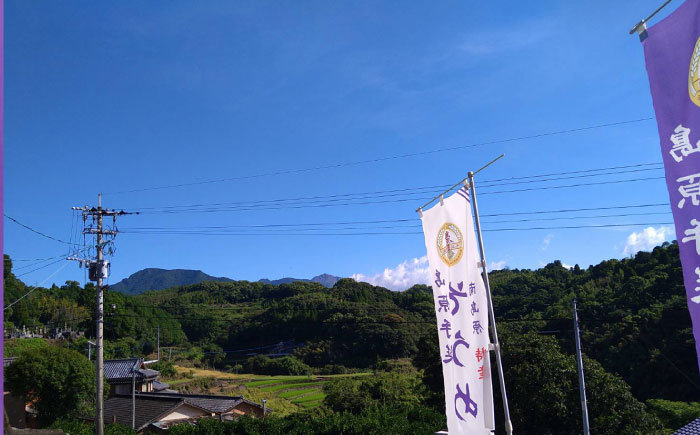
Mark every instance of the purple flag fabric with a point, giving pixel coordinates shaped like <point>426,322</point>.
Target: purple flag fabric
<point>672,53</point>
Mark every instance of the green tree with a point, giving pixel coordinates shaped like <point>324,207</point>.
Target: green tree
<point>542,385</point>
<point>166,368</point>
<point>381,389</point>
<point>396,419</point>
<point>674,415</point>
<point>59,382</point>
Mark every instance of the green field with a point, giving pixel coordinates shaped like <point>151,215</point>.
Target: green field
<point>261,383</point>
<point>294,393</point>
<point>284,394</point>
<point>285,386</point>
<point>310,398</point>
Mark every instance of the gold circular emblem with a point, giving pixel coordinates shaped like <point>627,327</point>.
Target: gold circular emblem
<point>694,75</point>
<point>450,244</point>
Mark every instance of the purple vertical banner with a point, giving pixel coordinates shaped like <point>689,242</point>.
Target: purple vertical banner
<point>2,179</point>
<point>672,53</point>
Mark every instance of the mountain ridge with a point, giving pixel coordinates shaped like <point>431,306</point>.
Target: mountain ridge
<point>153,278</point>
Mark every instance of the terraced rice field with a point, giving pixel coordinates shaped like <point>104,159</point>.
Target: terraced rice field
<point>284,394</point>
<point>294,393</point>
<point>302,391</point>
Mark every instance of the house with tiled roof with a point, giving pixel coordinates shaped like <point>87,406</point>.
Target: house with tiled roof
<point>692,428</point>
<point>158,411</point>
<point>122,373</point>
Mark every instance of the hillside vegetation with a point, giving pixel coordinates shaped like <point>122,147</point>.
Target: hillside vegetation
<point>636,335</point>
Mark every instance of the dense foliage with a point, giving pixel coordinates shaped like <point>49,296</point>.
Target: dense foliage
<point>286,365</point>
<point>366,392</point>
<point>633,312</point>
<point>73,306</point>
<point>78,427</point>
<point>371,421</point>
<point>674,414</point>
<point>58,381</point>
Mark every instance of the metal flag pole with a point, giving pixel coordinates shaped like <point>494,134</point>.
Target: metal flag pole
<point>581,381</point>
<point>641,26</point>
<point>492,316</point>
<point>462,181</point>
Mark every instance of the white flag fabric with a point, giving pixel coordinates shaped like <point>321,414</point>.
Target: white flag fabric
<point>462,315</point>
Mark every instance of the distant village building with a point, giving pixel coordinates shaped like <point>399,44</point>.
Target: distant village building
<point>156,412</point>
<point>157,407</point>
<point>122,373</point>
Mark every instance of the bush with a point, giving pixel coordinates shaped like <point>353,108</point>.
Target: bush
<point>384,419</point>
<point>333,369</point>
<point>287,365</point>
<point>674,415</point>
<point>76,427</point>
<point>126,347</point>
<point>17,347</point>
<point>60,382</point>
<point>359,393</point>
<point>166,368</point>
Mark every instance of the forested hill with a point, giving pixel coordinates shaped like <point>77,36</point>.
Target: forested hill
<point>159,279</point>
<point>633,313</point>
<point>324,279</point>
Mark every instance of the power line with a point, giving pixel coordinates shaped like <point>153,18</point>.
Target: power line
<point>35,231</point>
<point>663,204</point>
<point>60,257</point>
<point>382,221</point>
<point>386,158</point>
<point>39,268</point>
<point>353,201</point>
<point>375,233</point>
<point>33,259</point>
<point>295,227</point>
<point>403,191</point>
<point>353,320</point>
<point>26,266</point>
<point>36,287</point>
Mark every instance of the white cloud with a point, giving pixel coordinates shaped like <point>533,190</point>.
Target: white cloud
<point>567,266</point>
<point>647,239</point>
<point>547,240</point>
<point>497,265</point>
<point>401,277</point>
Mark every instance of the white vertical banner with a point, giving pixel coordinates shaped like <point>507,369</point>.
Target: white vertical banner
<point>462,314</point>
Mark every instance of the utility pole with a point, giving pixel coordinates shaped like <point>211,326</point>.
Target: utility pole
<point>98,271</point>
<point>133,397</point>
<point>581,382</point>
<point>158,345</point>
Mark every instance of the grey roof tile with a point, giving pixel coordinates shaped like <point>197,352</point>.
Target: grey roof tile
<point>148,409</point>
<point>120,370</point>
<point>159,386</point>
<point>692,428</point>
<point>211,403</point>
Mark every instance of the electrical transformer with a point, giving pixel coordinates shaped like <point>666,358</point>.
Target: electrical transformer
<point>98,270</point>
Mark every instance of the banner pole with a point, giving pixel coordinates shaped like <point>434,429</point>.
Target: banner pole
<point>492,316</point>
<point>641,26</point>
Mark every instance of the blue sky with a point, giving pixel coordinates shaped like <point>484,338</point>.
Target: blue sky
<point>123,96</point>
